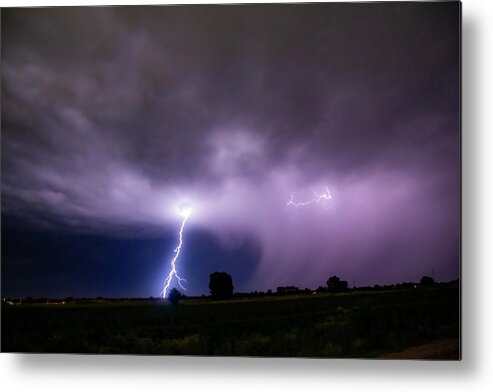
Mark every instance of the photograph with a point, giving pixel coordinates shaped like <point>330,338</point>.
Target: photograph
<point>232,180</point>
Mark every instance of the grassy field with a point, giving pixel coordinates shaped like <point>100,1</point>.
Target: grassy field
<point>348,325</point>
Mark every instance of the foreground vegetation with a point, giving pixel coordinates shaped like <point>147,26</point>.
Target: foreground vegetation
<point>351,324</point>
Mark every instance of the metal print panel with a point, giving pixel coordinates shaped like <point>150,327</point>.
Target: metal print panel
<point>232,180</point>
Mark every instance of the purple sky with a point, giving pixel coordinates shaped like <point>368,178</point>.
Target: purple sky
<point>115,118</point>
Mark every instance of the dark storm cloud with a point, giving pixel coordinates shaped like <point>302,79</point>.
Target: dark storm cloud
<point>114,117</point>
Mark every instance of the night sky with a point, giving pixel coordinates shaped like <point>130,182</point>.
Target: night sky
<point>115,119</point>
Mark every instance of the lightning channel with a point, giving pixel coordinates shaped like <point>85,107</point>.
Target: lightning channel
<point>320,198</point>
<point>173,273</point>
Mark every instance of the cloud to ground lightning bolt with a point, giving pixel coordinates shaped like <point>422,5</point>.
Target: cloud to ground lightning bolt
<point>173,273</point>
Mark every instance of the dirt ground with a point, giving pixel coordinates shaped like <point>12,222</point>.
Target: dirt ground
<point>448,349</point>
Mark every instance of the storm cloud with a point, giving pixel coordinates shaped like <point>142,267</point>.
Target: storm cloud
<point>115,118</point>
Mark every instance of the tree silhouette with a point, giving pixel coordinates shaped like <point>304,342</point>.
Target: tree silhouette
<point>427,281</point>
<point>174,296</point>
<point>221,285</point>
<point>335,284</point>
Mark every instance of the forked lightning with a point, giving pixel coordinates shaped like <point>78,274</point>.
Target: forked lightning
<point>173,273</point>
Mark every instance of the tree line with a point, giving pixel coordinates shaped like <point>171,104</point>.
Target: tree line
<point>221,287</point>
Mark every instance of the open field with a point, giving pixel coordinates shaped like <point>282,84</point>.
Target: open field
<point>350,325</point>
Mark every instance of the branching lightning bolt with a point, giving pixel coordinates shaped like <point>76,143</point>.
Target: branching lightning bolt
<point>185,213</point>
<point>319,198</point>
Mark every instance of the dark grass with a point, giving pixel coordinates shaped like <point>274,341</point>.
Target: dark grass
<point>349,325</point>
